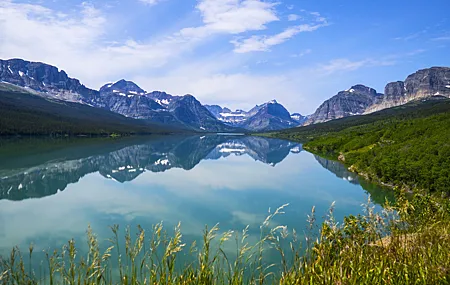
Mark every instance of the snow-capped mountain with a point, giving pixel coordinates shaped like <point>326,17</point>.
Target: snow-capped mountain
<point>266,117</point>
<point>122,97</point>
<point>299,118</point>
<point>128,99</point>
<point>227,116</point>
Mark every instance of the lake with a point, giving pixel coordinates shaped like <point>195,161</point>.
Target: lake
<point>51,190</point>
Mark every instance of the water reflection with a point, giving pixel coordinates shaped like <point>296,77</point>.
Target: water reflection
<point>378,194</point>
<point>53,172</point>
<point>50,191</point>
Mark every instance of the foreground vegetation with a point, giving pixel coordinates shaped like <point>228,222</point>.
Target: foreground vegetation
<point>407,146</point>
<point>408,243</point>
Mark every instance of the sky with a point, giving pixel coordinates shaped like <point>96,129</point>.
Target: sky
<point>235,53</point>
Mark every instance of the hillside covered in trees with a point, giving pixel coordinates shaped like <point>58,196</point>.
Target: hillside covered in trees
<point>28,114</point>
<point>406,146</point>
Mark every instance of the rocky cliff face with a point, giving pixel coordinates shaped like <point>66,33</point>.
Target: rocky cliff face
<point>359,99</point>
<point>46,79</point>
<point>354,101</point>
<point>161,98</point>
<point>434,81</point>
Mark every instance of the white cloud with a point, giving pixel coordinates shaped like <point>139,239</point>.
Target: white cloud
<point>231,17</point>
<point>82,43</point>
<point>216,80</point>
<point>302,53</point>
<point>150,2</point>
<point>344,64</point>
<point>263,43</point>
<point>77,42</point>
<point>293,17</point>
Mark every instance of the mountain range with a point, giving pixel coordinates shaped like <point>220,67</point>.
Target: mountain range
<point>266,117</point>
<point>185,112</point>
<point>128,99</point>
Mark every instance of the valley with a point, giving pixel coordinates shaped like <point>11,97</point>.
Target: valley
<point>122,155</point>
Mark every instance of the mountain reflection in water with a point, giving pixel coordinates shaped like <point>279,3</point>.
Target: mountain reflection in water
<point>43,173</point>
<point>51,190</point>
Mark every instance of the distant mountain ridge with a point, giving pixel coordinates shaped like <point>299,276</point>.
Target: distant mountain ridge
<point>359,99</point>
<point>123,97</point>
<point>128,99</point>
<point>186,112</point>
<point>266,117</point>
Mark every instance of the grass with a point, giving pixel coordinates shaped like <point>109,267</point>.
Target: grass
<point>406,243</point>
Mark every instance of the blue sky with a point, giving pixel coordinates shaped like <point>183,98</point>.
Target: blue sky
<point>235,53</point>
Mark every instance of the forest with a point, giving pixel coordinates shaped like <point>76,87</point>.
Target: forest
<point>406,146</point>
<point>26,114</point>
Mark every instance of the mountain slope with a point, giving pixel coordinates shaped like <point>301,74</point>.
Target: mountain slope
<point>190,112</point>
<point>270,116</point>
<point>353,101</point>
<point>359,99</point>
<point>434,81</point>
<point>128,99</point>
<point>415,109</point>
<point>47,79</point>
<point>406,146</point>
<point>27,114</point>
<point>123,97</point>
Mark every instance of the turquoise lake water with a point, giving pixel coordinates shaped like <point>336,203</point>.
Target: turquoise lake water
<point>51,190</point>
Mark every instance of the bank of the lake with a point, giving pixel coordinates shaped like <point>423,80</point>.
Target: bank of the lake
<point>406,148</point>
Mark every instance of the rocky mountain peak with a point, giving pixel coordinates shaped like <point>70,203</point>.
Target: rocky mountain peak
<point>123,86</point>
<point>161,97</point>
<point>46,79</point>
<point>275,109</point>
<point>432,81</point>
<point>353,101</point>
<point>424,83</point>
<point>362,89</point>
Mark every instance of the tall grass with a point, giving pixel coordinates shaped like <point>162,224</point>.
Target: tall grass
<point>408,243</point>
